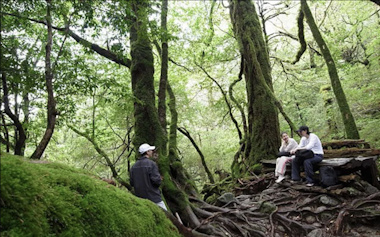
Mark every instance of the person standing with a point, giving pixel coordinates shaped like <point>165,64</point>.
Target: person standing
<point>145,177</point>
<point>309,141</point>
<point>287,145</point>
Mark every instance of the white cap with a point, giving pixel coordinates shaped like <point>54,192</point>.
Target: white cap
<point>146,147</point>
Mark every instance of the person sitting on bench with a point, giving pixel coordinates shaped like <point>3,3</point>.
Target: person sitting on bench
<point>309,152</point>
<point>284,156</point>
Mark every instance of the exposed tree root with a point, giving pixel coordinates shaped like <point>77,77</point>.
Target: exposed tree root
<point>288,210</point>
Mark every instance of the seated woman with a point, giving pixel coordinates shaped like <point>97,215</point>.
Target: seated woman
<point>287,145</point>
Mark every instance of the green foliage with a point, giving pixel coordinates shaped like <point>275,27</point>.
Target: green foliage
<point>49,199</point>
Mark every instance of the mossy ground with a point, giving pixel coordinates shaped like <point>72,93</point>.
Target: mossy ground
<point>48,199</point>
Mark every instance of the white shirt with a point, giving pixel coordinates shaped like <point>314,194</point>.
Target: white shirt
<point>312,143</point>
<point>287,147</point>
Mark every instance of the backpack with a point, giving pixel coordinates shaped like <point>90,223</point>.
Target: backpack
<point>328,176</point>
<point>283,153</point>
<point>305,154</point>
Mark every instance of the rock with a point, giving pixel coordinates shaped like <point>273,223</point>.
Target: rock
<point>316,233</point>
<point>353,191</point>
<point>326,216</point>
<point>317,224</point>
<point>307,200</point>
<point>306,209</point>
<point>243,198</point>
<point>224,199</point>
<point>269,191</point>
<point>328,201</point>
<point>320,209</point>
<point>354,234</point>
<point>310,219</point>
<point>368,187</point>
<point>281,228</point>
<point>267,207</point>
<point>246,202</point>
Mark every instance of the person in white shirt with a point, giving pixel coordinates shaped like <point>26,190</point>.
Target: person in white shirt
<point>309,141</point>
<point>287,145</point>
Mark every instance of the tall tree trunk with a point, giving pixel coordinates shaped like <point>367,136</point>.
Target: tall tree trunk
<point>263,127</point>
<point>348,119</point>
<point>51,110</point>
<point>164,67</point>
<point>147,126</point>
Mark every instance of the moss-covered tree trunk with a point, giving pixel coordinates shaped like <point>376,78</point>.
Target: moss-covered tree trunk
<point>164,67</point>
<point>147,125</point>
<point>348,119</point>
<point>263,127</point>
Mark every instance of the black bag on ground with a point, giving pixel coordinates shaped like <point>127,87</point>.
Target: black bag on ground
<point>304,154</point>
<point>327,176</point>
<point>283,153</point>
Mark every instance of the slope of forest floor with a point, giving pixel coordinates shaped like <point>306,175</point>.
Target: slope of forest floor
<point>47,199</point>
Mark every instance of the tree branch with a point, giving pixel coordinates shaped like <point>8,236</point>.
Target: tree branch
<point>101,51</point>
<point>301,36</point>
<point>105,156</point>
<point>187,134</point>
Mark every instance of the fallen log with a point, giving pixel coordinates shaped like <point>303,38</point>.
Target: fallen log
<point>351,152</point>
<point>338,144</point>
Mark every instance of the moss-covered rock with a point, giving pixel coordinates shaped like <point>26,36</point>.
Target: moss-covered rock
<point>48,199</point>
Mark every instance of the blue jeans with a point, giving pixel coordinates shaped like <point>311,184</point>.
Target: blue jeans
<point>308,165</point>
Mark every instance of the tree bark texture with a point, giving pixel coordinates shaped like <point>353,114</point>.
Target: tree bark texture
<point>51,110</point>
<point>263,126</point>
<point>348,119</point>
<point>173,154</point>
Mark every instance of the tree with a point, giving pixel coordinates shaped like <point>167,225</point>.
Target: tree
<point>262,140</point>
<point>348,119</point>
<point>51,104</point>
<point>164,67</point>
<point>20,131</point>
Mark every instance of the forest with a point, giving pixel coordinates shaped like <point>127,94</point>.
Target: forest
<point>210,83</point>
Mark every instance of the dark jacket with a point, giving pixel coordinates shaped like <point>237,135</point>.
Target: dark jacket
<point>146,179</point>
